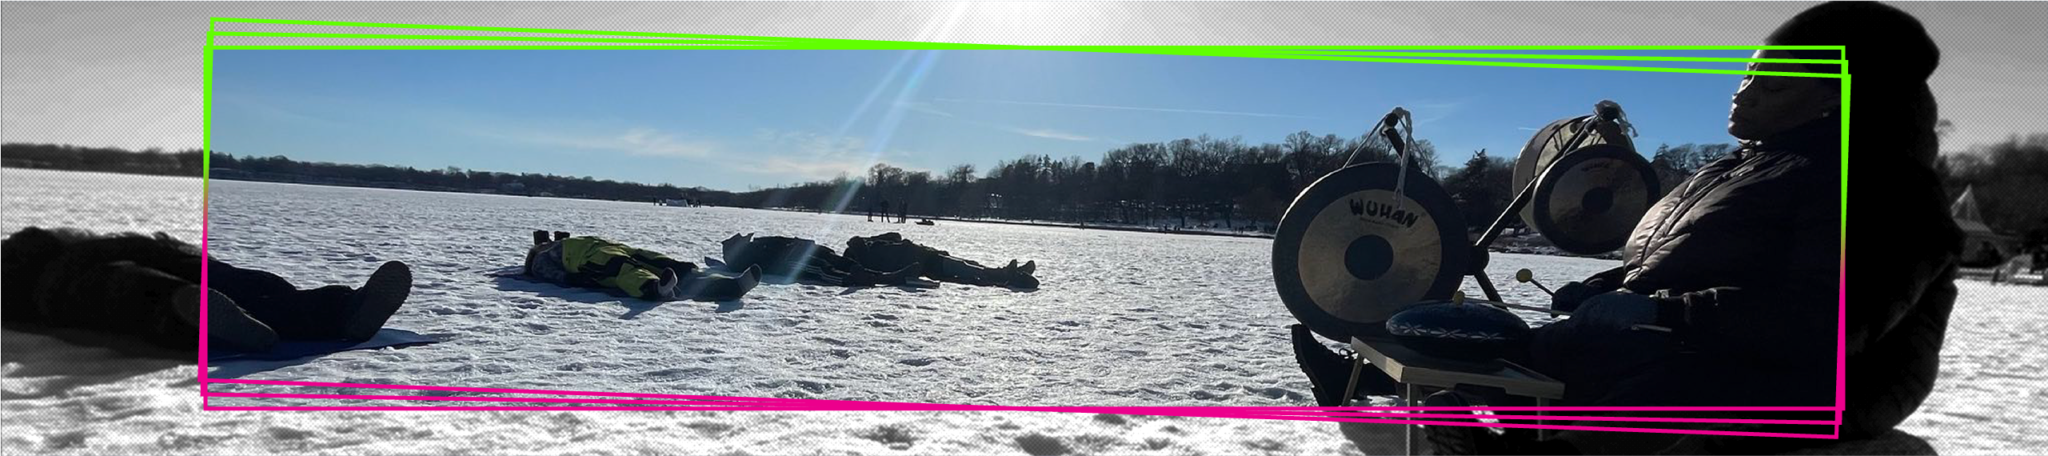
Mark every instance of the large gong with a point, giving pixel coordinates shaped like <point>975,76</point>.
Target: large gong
<point>1586,205</point>
<point>1591,199</point>
<point>1553,141</point>
<point>1351,252</point>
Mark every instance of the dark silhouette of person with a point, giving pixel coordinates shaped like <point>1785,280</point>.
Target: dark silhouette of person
<point>147,287</point>
<point>613,267</point>
<point>799,258</point>
<point>1745,266</point>
<point>890,251</point>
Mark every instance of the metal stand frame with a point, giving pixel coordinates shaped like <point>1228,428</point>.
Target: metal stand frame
<point>1480,255</point>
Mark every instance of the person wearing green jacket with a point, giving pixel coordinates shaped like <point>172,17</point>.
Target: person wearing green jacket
<point>601,264</point>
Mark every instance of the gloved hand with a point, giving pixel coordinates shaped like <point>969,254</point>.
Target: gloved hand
<point>1617,311</point>
<point>1568,297</point>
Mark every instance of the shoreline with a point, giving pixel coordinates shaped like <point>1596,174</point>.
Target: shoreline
<point>1037,223</point>
<point>1134,229</point>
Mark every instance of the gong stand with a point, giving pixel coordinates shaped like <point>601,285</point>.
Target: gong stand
<point>1480,255</point>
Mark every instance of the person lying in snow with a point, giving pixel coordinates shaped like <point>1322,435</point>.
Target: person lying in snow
<point>1743,264</point>
<point>599,264</point>
<point>890,251</point>
<point>147,286</point>
<point>804,259</point>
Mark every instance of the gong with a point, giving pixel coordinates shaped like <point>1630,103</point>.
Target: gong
<point>1555,140</point>
<point>1351,252</point>
<point>1589,200</point>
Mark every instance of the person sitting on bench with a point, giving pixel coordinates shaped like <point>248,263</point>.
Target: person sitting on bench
<point>1744,265</point>
<point>147,287</point>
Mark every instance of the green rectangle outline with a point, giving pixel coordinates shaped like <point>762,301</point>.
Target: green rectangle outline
<point>1362,53</point>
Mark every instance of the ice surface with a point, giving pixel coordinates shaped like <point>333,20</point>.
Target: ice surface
<point>1123,319</point>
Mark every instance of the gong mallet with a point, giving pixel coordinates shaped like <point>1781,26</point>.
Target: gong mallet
<point>1547,310</point>
<point>1529,277</point>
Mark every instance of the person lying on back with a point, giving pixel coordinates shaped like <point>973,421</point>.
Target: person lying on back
<point>890,250</point>
<point>147,287</point>
<point>804,259</point>
<point>616,268</point>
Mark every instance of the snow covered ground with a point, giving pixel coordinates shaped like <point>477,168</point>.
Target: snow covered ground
<point>1123,319</point>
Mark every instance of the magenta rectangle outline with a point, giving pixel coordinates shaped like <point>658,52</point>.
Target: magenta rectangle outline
<point>1299,414</point>
<point>1835,435</point>
<point>920,404</point>
<point>1840,349</point>
<point>1137,410</point>
<point>716,403</point>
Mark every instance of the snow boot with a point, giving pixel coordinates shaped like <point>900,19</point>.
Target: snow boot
<point>373,304</point>
<point>1329,374</point>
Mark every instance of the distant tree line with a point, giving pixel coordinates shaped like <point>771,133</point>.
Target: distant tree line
<point>277,168</point>
<point>1184,181</point>
<point>1181,182</point>
<point>2011,182</point>
<point>281,169</point>
<point>1194,179</point>
<point>102,159</point>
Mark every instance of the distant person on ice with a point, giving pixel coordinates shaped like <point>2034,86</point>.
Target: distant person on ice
<point>1744,265</point>
<point>890,251</point>
<point>804,259</point>
<point>147,286</point>
<point>620,269</point>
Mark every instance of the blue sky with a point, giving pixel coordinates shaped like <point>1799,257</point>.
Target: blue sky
<point>737,119</point>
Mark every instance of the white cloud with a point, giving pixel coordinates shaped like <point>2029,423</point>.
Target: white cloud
<point>811,144</point>
<point>1431,111</point>
<point>1124,108</point>
<point>651,142</point>
<point>640,141</point>
<point>1048,134</point>
<point>808,170</point>
<point>923,107</point>
<point>807,156</point>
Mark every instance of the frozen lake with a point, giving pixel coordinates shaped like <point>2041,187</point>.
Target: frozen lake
<point>1122,319</point>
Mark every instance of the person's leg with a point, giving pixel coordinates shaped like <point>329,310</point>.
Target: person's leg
<point>1631,368</point>
<point>613,267</point>
<point>1594,361</point>
<point>829,266</point>
<point>952,269</point>
<point>719,287</point>
<point>334,312</point>
<point>942,265</point>
<point>657,261</point>
<point>314,314</point>
<point>275,301</point>
<point>1329,373</point>
<point>250,286</point>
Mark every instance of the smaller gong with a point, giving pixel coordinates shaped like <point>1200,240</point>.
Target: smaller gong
<point>1590,200</point>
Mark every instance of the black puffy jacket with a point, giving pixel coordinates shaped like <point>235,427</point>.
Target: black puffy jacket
<point>1751,252</point>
